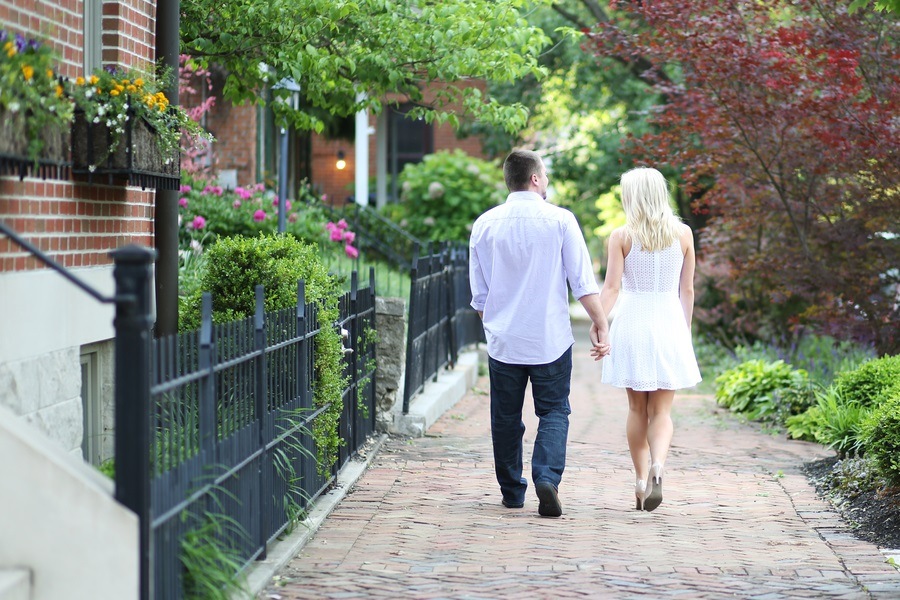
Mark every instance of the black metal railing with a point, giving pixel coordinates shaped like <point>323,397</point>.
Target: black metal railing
<point>217,423</point>
<point>441,322</point>
<point>378,237</point>
<point>231,417</point>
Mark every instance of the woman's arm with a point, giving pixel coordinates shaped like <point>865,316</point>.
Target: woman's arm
<point>687,275</point>
<point>614,266</point>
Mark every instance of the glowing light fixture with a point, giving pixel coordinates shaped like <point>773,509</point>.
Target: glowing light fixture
<point>341,164</point>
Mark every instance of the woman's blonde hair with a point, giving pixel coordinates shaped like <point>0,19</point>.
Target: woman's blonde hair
<point>648,214</point>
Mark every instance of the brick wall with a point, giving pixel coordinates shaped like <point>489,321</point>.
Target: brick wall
<point>234,128</point>
<point>77,223</point>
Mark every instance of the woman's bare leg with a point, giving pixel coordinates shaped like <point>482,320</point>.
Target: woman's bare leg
<point>660,428</point>
<point>637,432</point>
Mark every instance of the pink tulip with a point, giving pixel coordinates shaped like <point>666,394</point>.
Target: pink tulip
<point>351,251</point>
<point>259,216</point>
<point>342,224</point>
<point>182,202</point>
<point>336,235</point>
<point>349,236</point>
<point>199,222</point>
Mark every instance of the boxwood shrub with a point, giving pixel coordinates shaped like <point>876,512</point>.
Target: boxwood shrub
<point>235,266</point>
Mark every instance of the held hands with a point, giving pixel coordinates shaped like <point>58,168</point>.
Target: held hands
<point>599,342</point>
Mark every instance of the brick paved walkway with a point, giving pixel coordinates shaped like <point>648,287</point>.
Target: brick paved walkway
<point>739,519</point>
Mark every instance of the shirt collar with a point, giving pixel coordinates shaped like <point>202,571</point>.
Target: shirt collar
<point>525,195</point>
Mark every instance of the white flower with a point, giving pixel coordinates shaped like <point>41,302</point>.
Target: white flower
<point>92,168</point>
<point>101,111</point>
<point>435,190</point>
<point>88,94</point>
<point>96,119</point>
<point>428,221</point>
<point>196,246</point>
<point>473,169</point>
<point>13,107</point>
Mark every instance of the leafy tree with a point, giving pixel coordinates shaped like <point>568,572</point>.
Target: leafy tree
<point>338,49</point>
<point>783,116</point>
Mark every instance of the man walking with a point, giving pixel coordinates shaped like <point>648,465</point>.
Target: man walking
<point>521,254</point>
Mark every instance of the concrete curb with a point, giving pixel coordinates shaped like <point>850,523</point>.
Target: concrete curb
<point>436,398</point>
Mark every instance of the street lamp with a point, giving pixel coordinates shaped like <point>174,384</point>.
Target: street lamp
<point>292,99</point>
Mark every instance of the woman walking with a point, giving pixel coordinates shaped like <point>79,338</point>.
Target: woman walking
<point>649,279</point>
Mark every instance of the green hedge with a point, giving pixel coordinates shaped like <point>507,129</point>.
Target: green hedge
<point>235,266</point>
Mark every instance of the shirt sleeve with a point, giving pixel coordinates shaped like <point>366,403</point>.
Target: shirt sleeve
<point>577,261</point>
<point>477,282</point>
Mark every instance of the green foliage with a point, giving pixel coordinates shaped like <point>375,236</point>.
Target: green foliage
<point>865,384</point>
<point>235,266</point>
<point>211,559</point>
<point>444,194</point>
<point>834,421</point>
<point>881,433</point>
<point>337,50</point>
<point>108,468</point>
<point>764,390</point>
<point>892,6</point>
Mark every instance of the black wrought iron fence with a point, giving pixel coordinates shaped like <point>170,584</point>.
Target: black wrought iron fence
<point>230,426</point>
<point>441,322</point>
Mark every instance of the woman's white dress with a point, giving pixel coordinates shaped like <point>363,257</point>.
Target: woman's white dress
<point>650,343</point>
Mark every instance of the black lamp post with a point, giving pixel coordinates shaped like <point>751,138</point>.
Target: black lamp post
<point>293,101</point>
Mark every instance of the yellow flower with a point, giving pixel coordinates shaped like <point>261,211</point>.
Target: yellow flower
<point>59,91</point>
<point>28,72</point>
<point>119,88</point>
<point>49,73</point>
<point>139,82</point>
<point>94,79</point>
<point>79,81</point>
<point>99,91</point>
<point>131,88</point>
<point>125,82</point>
<point>10,48</point>
<point>113,92</point>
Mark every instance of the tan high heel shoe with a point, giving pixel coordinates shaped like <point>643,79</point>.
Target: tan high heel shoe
<point>640,494</point>
<point>654,487</point>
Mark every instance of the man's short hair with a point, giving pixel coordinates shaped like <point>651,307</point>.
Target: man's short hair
<point>518,168</point>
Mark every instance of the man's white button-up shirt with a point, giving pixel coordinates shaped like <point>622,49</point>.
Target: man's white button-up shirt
<point>521,254</point>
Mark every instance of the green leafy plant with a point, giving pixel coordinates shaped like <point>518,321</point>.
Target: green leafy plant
<point>881,433</point>
<point>865,384</point>
<point>444,194</point>
<point>211,559</point>
<point>30,90</point>
<point>113,98</point>
<point>763,389</point>
<point>235,266</point>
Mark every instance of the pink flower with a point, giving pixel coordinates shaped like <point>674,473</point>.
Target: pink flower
<point>199,222</point>
<point>287,205</point>
<point>292,218</point>
<point>182,202</point>
<point>184,189</point>
<point>330,226</point>
<point>336,235</point>
<point>275,201</point>
<point>236,204</point>
<point>243,193</point>
<point>349,236</point>
<point>342,224</point>
<point>351,251</point>
<point>259,216</point>
<point>213,189</point>
<point>324,197</point>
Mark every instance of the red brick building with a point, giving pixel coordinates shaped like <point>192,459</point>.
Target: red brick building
<point>247,149</point>
<point>55,340</point>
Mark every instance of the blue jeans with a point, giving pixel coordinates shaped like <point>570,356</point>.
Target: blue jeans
<point>550,385</point>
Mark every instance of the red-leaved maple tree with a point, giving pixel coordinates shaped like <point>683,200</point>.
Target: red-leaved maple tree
<point>783,118</point>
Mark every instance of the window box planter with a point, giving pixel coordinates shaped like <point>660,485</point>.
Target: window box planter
<point>135,159</point>
<point>51,163</point>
